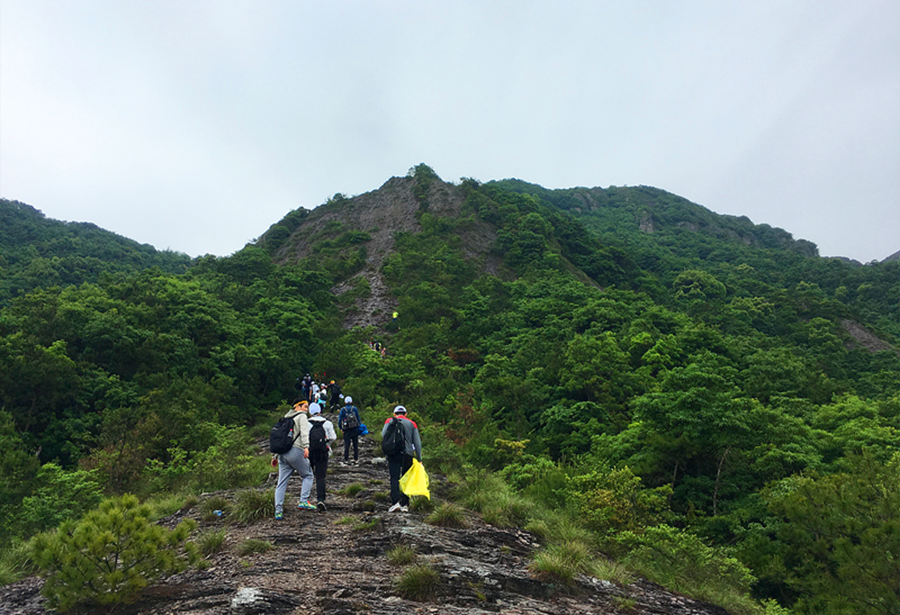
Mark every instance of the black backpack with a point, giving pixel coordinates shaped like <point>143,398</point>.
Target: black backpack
<point>318,440</point>
<point>350,420</point>
<point>394,442</point>
<point>282,437</point>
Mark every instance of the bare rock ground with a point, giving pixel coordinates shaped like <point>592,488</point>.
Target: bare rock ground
<point>324,563</point>
<point>863,337</point>
<point>381,214</point>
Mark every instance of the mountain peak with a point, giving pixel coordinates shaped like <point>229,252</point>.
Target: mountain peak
<point>367,226</point>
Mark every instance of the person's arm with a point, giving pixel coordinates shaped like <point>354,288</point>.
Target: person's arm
<point>304,431</point>
<point>417,444</point>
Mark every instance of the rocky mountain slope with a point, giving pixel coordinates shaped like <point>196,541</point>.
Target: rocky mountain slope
<point>376,217</point>
<point>334,563</point>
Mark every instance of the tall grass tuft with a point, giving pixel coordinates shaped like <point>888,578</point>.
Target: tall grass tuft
<point>208,507</point>
<point>564,529</point>
<point>479,489</point>
<point>169,503</point>
<point>498,503</point>
<point>538,527</point>
<point>508,509</point>
<point>366,526</point>
<point>401,555</point>
<point>252,545</point>
<point>552,566</point>
<point>609,570</point>
<point>419,582</point>
<point>561,562</point>
<point>447,515</point>
<point>419,503</point>
<point>16,562</point>
<point>210,542</point>
<point>352,489</point>
<point>252,505</point>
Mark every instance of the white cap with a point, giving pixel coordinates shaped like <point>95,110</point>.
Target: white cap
<point>400,410</point>
<point>315,409</point>
<point>348,399</point>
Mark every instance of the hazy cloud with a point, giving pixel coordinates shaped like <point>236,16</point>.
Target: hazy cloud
<point>195,125</point>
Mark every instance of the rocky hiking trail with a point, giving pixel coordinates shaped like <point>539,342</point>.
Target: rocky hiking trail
<point>323,563</point>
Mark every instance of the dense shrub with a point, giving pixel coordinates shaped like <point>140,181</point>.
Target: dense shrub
<point>681,562</point>
<point>612,500</point>
<point>58,496</point>
<point>110,555</point>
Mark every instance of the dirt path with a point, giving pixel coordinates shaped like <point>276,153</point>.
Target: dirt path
<point>334,563</point>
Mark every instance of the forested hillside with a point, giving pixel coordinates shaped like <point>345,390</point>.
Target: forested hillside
<point>36,252</point>
<point>717,406</point>
<point>667,234</point>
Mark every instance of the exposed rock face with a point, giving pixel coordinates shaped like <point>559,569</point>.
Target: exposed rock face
<point>864,337</point>
<point>325,563</point>
<point>382,213</point>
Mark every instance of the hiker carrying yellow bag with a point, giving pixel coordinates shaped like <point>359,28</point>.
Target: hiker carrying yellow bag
<point>415,481</point>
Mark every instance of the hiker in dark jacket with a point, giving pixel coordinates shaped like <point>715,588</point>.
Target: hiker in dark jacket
<point>334,389</point>
<point>349,422</point>
<point>318,459</point>
<point>306,384</point>
<point>399,464</point>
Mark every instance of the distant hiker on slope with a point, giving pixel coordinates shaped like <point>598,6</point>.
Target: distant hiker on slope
<point>322,399</point>
<point>306,383</point>
<point>349,422</point>
<point>335,392</point>
<point>400,442</point>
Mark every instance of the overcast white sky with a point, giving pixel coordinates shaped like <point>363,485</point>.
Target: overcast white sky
<point>195,125</point>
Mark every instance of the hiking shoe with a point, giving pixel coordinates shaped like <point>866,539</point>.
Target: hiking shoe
<point>394,508</point>
<point>306,506</point>
<point>404,509</point>
<point>279,516</point>
<point>321,506</point>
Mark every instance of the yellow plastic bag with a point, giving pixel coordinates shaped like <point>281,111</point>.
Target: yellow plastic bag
<point>415,481</point>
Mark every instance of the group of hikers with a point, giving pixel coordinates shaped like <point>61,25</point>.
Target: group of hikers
<point>378,347</point>
<point>301,442</point>
<point>315,391</point>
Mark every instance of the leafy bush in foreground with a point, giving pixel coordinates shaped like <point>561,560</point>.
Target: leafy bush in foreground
<point>110,555</point>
